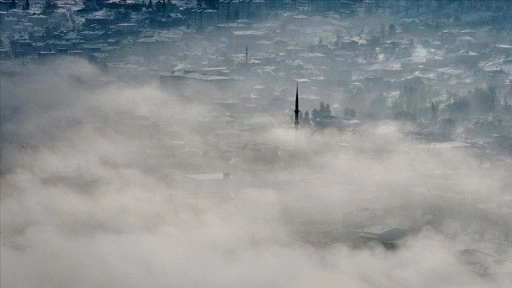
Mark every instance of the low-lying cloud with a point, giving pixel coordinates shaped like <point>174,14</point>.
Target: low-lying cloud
<point>95,193</point>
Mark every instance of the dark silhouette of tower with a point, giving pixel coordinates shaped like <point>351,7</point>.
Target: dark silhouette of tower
<point>296,111</point>
<point>246,55</point>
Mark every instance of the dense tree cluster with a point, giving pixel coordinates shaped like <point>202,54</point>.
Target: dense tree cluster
<point>322,113</point>
<point>319,114</point>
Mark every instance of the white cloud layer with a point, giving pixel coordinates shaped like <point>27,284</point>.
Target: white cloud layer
<point>93,194</point>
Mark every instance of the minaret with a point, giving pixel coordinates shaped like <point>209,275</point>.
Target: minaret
<point>296,111</point>
<point>246,55</point>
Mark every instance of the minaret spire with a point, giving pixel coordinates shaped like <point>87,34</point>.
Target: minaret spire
<point>296,111</point>
<point>246,54</point>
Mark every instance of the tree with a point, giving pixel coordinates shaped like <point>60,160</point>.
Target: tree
<point>323,113</point>
<point>306,120</point>
<point>322,109</point>
<point>315,114</point>
<point>327,110</point>
<point>459,108</point>
<point>434,108</point>
<point>26,6</point>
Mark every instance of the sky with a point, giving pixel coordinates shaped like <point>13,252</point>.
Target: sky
<point>94,193</point>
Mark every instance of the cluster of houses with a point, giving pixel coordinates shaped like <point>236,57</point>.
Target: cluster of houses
<point>255,51</point>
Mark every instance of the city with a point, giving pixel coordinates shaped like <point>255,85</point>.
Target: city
<point>256,143</point>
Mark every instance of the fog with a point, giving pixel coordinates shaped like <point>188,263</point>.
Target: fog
<point>95,193</point>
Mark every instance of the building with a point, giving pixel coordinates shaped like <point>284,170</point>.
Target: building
<point>258,9</point>
<point>244,9</point>
<point>232,10</point>
<point>302,4</point>
<point>208,183</point>
<point>386,235</point>
<point>328,5</point>
<point>203,18</point>
<point>223,11</point>
<point>210,18</point>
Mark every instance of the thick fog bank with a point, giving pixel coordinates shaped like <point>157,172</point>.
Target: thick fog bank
<point>98,189</point>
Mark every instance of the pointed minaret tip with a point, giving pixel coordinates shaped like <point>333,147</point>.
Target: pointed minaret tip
<point>297,98</point>
<point>246,54</point>
<point>296,111</point>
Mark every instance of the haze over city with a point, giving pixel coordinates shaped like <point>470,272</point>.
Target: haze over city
<point>256,143</point>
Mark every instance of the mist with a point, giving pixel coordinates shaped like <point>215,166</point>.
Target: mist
<point>145,145</point>
<point>91,199</point>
